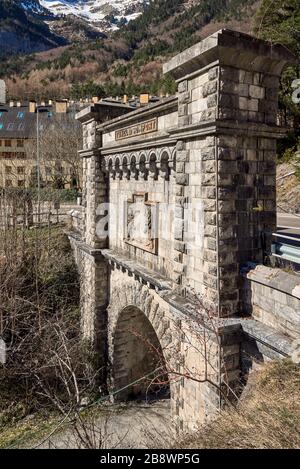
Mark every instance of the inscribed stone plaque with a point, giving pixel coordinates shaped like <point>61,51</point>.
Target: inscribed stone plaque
<point>137,129</point>
<point>141,222</point>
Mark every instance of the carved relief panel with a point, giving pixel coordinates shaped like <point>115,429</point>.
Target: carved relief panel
<point>141,222</point>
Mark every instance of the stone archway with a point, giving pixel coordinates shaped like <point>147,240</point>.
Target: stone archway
<point>139,368</point>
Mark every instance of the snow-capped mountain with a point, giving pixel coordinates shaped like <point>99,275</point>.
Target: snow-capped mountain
<point>37,25</point>
<point>33,7</point>
<point>103,14</point>
<point>23,27</point>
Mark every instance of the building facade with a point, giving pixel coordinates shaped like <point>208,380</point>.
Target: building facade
<point>18,145</point>
<point>179,200</point>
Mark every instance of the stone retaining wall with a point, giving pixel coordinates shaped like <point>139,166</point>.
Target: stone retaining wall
<point>272,296</point>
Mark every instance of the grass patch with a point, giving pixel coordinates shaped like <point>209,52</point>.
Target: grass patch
<point>267,417</point>
<point>24,432</point>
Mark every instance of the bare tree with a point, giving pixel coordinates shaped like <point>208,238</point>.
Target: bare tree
<point>60,139</point>
<point>201,337</point>
<point>48,365</point>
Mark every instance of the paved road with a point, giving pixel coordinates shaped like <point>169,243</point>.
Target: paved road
<point>288,224</point>
<point>122,427</point>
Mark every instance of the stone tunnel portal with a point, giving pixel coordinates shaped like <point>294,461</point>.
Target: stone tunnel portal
<point>139,367</point>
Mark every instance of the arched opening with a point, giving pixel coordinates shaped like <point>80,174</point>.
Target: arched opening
<point>139,369</point>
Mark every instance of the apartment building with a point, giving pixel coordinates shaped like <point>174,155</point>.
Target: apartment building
<point>25,145</point>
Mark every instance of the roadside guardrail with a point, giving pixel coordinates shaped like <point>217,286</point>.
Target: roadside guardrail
<point>286,247</point>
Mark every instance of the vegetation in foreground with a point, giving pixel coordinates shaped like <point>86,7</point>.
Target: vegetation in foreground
<point>130,60</point>
<point>48,370</point>
<point>267,417</point>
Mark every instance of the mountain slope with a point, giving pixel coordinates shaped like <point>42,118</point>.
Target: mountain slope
<point>74,29</point>
<point>128,60</point>
<point>22,27</point>
<point>103,14</point>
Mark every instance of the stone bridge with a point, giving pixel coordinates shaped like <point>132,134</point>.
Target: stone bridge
<point>179,200</point>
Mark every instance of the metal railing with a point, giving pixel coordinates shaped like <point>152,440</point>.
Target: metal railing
<point>286,247</point>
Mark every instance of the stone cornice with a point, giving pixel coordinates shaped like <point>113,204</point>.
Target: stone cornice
<point>204,128</point>
<point>93,112</point>
<point>277,279</point>
<point>200,129</point>
<point>154,279</point>
<point>230,127</point>
<point>87,115</point>
<point>88,153</point>
<point>157,141</point>
<point>139,114</point>
<point>231,48</point>
<point>91,252</point>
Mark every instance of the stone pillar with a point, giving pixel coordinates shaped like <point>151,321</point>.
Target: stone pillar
<point>227,108</point>
<point>94,268</point>
<point>180,180</point>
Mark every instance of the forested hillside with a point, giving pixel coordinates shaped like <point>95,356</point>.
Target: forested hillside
<point>130,59</point>
<point>278,21</point>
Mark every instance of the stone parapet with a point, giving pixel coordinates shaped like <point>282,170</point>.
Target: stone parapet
<point>230,48</point>
<point>272,297</point>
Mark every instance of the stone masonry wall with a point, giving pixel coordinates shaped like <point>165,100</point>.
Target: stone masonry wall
<point>272,297</point>
<point>92,267</point>
<point>247,208</point>
<point>187,352</point>
<point>232,170</point>
<point>93,273</point>
<point>248,96</point>
<point>232,178</point>
<point>159,189</point>
<point>214,163</point>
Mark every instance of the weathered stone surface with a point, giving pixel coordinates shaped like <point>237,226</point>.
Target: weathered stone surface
<point>200,168</point>
<point>273,299</point>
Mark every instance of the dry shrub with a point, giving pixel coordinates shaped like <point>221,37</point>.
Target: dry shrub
<point>268,416</point>
<point>47,364</point>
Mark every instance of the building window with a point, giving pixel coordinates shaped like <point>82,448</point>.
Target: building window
<point>20,183</point>
<point>8,183</point>
<point>20,170</point>
<point>12,154</point>
<point>8,143</point>
<point>20,115</point>
<point>20,143</point>
<point>21,126</point>
<point>10,126</point>
<point>8,169</point>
